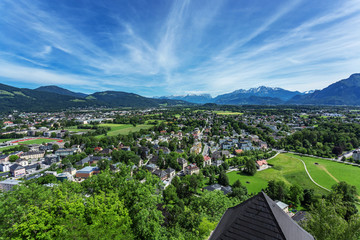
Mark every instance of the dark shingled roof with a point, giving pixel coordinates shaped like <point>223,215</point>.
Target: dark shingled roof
<point>258,218</point>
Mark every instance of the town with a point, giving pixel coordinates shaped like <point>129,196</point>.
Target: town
<point>208,149</point>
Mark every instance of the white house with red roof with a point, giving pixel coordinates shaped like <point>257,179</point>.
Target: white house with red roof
<point>207,161</point>
<point>262,164</point>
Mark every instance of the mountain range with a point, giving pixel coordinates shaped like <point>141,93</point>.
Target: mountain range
<point>255,96</point>
<point>343,92</point>
<point>61,91</point>
<point>52,98</point>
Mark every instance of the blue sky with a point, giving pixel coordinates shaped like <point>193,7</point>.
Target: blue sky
<point>166,47</point>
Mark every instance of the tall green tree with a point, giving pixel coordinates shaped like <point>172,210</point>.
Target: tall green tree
<point>223,179</point>
<point>296,194</point>
<point>250,167</point>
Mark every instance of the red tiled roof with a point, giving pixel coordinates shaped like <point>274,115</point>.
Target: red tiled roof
<point>238,150</point>
<point>261,162</point>
<point>207,158</point>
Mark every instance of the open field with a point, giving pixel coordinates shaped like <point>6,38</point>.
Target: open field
<point>285,168</point>
<point>228,113</point>
<point>75,129</point>
<point>288,168</point>
<point>256,183</point>
<point>123,128</point>
<point>7,148</point>
<point>328,173</point>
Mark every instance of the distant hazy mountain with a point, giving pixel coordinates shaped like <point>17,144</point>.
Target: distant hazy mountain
<point>242,96</point>
<point>193,98</point>
<point>24,99</point>
<point>259,96</point>
<point>62,91</point>
<point>343,92</point>
<point>124,99</point>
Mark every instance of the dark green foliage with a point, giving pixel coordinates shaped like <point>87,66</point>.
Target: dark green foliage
<point>277,190</point>
<point>296,194</point>
<point>250,167</point>
<point>329,139</point>
<point>308,197</point>
<point>239,191</point>
<point>223,179</point>
<point>103,164</point>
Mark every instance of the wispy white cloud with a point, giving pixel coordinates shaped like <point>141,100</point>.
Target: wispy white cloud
<point>191,49</point>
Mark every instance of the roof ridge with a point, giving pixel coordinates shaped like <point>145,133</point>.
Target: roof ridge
<point>268,200</point>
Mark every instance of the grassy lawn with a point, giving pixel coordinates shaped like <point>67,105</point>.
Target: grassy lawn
<point>327,173</point>
<point>6,148</point>
<point>286,168</point>
<point>5,140</point>
<point>123,128</point>
<point>75,129</point>
<point>228,113</point>
<point>255,184</point>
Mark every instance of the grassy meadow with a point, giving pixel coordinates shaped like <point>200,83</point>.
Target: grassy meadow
<point>123,129</point>
<point>228,113</point>
<point>288,168</point>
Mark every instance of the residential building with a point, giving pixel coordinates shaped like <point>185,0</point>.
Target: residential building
<point>356,155</point>
<point>32,155</point>
<point>161,174</point>
<point>51,158</point>
<point>283,206</point>
<point>218,187</point>
<point>238,151</point>
<point>116,166</point>
<point>65,152</point>
<point>207,161</point>
<point>196,148</point>
<point>71,170</point>
<point>17,170</point>
<point>263,145</point>
<point>5,167</point>
<point>22,162</point>
<point>65,176</point>
<point>182,162</point>
<point>192,169</point>
<point>126,148</point>
<point>262,164</point>
<point>4,158</point>
<point>151,167</point>
<point>87,172</point>
<point>106,151</point>
<point>8,184</point>
<point>170,172</point>
<point>165,150</point>
<point>217,163</point>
